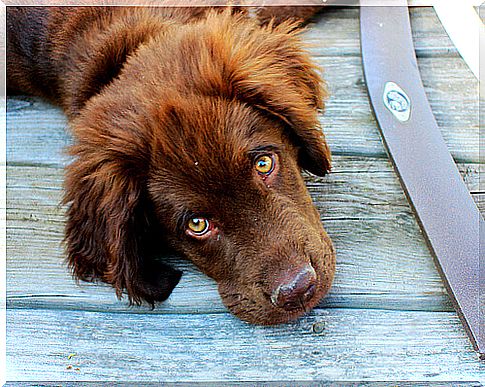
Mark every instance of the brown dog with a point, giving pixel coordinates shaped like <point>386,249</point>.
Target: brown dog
<point>191,127</point>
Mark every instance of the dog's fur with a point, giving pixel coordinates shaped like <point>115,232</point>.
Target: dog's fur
<point>169,108</point>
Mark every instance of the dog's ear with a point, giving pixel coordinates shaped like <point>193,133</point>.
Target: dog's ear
<point>273,71</point>
<point>110,216</point>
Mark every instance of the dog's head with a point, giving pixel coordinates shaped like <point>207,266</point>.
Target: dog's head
<point>206,134</point>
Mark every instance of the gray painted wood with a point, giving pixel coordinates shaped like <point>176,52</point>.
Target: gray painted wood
<point>337,33</point>
<point>387,317</point>
<point>349,345</point>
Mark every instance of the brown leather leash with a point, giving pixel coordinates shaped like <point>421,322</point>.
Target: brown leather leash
<point>445,210</point>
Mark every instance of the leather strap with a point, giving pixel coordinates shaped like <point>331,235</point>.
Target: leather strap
<point>447,214</point>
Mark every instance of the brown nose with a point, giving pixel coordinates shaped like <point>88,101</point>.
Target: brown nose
<point>292,292</point>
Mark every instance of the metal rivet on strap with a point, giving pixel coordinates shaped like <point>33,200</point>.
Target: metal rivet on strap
<point>397,101</point>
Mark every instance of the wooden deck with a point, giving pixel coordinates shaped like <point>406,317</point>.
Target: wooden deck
<point>388,316</point>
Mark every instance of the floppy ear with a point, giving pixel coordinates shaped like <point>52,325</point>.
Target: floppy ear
<point>110,217</point>
<point>274,72</point>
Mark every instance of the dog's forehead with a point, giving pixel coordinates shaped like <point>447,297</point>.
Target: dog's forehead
<point>213,134</point>
<point>208,149</point>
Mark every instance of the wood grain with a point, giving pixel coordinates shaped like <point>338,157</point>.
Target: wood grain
<point>336,33</point>
<point>349,345</point>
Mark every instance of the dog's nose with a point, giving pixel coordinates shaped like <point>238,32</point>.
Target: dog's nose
<point>294,291</point>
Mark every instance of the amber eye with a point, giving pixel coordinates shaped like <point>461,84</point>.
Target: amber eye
<point>264,165</point>
<point>198,226</point>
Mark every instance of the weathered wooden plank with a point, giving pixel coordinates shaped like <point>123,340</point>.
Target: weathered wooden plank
<point>334,344</point>
<point>36,132</point>
<point>382,260</point>
<point>306,383</point>
<point>336,32</point>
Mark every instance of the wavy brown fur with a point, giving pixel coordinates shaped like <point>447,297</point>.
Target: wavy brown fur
<point>168,108</point>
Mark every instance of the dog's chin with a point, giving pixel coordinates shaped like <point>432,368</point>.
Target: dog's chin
<point>256,308</point>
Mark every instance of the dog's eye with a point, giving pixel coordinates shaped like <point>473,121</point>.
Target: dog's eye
<point>264,164</point>
<point>198,226</point>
